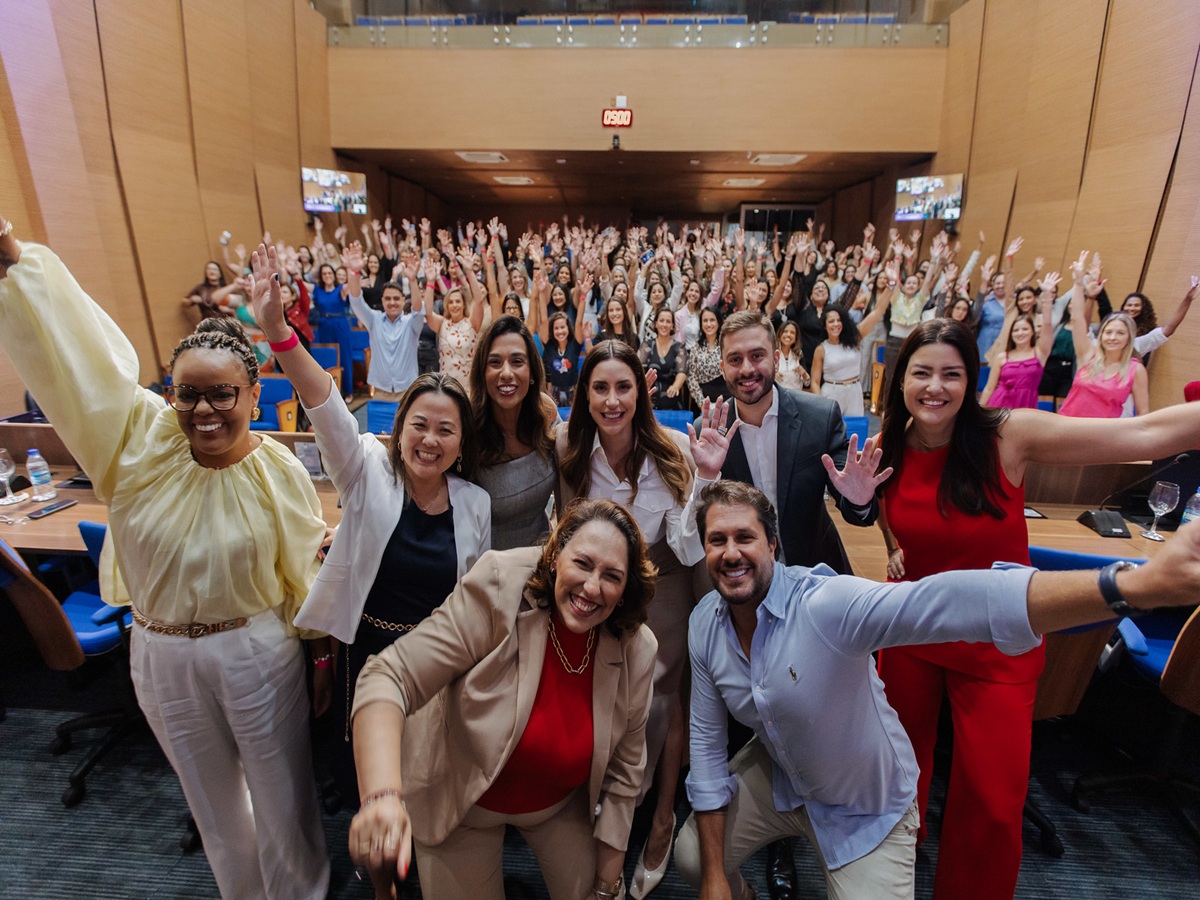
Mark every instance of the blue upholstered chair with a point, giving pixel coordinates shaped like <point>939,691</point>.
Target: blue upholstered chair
<point>381,416</point>
<point>100,629</point>
<point>278,404</point>
<point>1071,660</point>
<point>857,425</point>
<point>676,419</point>
<point>1164,648</point>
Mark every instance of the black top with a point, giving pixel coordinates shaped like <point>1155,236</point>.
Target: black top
<point>668,366</point>
<point>562,370</point>
<point>418,570</point>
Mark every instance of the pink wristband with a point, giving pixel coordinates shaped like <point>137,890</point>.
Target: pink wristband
<point>286,344</point>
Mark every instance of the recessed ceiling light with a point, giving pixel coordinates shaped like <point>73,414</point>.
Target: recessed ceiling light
<point>694,162</point>
<point>512,179</point>
<point>561,162</point>
<point>742,182</point>
<point>776,159</point>
<point>481,156</point>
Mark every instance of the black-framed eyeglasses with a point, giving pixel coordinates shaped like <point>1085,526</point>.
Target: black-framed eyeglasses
<point>184,397</point>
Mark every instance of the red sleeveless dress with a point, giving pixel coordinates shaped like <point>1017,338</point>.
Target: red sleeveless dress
<point>991,694</point>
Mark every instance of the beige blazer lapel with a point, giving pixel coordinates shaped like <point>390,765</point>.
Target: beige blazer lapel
<point>606,679</point>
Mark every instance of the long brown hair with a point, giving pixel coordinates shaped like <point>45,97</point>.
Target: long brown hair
<point>535,419</point>
<point>639,580</point>
<point>649,438</point>
<point>971,478</point>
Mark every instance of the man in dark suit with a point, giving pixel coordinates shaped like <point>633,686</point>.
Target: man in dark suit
<point>791,446</point>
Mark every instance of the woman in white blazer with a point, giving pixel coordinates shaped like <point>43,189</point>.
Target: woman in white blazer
<point>412,524</point>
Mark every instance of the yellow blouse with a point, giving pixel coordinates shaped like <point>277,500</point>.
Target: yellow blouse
<point>192,544</point>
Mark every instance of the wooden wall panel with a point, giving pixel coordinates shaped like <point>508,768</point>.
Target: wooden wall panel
<point>314,90</point>
<point>218,81</point>
<point>1059,60</point>
<point>152,131</point>
<point>961,79</point>
<point>52,58</point>
<point>272,69</point>
<point>1136,125</point>
<point>670,113</point>
<point>15,186</point>
<point>1176,258</point>
<point>851,212</point>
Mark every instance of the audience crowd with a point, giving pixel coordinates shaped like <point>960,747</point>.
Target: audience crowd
<point>503,625</point>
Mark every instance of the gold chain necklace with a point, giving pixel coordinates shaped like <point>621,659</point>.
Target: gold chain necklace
<point>587,656</point>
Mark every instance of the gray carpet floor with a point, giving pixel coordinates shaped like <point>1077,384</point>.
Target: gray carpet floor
<point>122,841</point>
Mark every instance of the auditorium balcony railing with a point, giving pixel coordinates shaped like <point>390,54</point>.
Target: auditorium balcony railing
<point>684,24</point>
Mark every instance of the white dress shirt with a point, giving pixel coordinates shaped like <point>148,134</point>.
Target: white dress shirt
<point>654,509</point>
<point>762,447</point>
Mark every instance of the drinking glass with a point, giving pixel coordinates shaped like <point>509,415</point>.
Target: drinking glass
<point>1164,497</point>
<point>8,468</point>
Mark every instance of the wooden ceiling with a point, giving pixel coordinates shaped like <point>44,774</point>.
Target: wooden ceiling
<point>665,182</point>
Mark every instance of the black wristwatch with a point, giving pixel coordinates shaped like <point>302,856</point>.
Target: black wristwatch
<point>1112,594</point>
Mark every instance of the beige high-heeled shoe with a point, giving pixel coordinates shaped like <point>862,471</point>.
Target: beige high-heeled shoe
<point>645,880</point>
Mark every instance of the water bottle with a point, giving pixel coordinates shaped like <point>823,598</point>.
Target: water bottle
<point>1191,512</point>
<point>39,476</point>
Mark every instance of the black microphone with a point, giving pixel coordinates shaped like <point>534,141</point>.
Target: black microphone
<point>1185,456</point>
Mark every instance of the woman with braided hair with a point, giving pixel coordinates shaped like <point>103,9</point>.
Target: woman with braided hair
<point>214,531</point>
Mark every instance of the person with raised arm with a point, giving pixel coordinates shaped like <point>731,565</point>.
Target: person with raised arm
<point>213,534</point>
<point>1016,370</point>
<point>394,331</point>
<point>956,500</point>
<point>412,523</point>
<point>787,651</point>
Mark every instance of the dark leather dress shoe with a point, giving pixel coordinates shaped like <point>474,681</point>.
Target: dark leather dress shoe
<point>781,870</point>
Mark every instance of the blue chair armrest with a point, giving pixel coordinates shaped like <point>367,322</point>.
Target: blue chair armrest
<point>1135,641</point>
<point>108,614</point>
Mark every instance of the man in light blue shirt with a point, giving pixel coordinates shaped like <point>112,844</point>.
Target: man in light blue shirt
<point>786,651</point>
<point>395,332</point>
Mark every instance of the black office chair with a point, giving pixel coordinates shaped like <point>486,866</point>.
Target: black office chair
<point>100,629</point>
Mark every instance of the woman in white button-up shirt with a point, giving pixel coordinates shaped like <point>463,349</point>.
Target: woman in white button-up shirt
<point>613,447</point>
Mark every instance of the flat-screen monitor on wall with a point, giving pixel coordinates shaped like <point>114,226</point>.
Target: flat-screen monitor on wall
<point>328,190</point>
<point>929,197</point>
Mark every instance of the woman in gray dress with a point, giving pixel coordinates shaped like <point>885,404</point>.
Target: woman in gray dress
<point>514,421</point>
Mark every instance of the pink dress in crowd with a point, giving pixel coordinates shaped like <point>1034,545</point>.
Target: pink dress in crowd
<point>1098,398</point>
<point>1017,386</point>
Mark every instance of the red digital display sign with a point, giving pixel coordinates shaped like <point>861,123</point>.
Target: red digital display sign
<point>616,118</point>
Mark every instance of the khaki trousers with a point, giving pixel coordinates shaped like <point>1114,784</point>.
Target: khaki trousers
<point>753,822</point>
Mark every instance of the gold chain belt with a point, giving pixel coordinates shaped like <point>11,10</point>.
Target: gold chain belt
<point>851,381</point>
<point>386,626</point>
<point>190,629</point>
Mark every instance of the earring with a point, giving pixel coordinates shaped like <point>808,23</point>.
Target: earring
<point>255,414</point>
<point>458,464</point>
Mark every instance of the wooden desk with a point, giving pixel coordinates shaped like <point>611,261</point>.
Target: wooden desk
<point>1059,530</point>
<point>59,532</point>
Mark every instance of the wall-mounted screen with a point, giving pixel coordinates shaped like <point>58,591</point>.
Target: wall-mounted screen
<point>328,190</point>
<point>929,197</point>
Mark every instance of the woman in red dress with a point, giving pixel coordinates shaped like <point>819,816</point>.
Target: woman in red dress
<point>956,501</point>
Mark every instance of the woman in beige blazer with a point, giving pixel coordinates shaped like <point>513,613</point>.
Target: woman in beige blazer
<point>528,687</point>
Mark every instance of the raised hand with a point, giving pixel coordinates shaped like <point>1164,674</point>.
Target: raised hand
<point>1039,263</point>
<point>339,233</point>
<point>265,298</point>
<point>425,226</point>
<point>711,445</point>
<point>1050,282</point>
<point>858,479</point>
<point>1077,267</point>
<point>352,257</point>
<point>1015,247</point>
<point>988,270</point>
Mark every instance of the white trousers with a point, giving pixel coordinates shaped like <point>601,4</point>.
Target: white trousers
<point>752,822</point>
<point>231,713</point>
